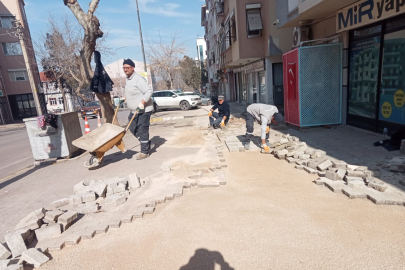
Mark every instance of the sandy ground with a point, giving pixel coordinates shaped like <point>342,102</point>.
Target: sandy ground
<point>268,216</point>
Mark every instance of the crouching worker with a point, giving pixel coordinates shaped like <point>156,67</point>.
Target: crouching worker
<point>264,115</point>
<point>220,118</point>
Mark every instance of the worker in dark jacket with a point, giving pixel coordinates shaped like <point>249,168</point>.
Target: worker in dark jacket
<point>221,118</point>
<point>263,114</point>
<point>101,82</point>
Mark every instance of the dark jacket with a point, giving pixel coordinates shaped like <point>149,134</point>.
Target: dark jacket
<point>223,110</point>
<point>101,82</point>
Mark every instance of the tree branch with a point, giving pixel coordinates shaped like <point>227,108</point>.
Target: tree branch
<point>92,8</point>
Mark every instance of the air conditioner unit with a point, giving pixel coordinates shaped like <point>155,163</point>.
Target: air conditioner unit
<point>300,34</point>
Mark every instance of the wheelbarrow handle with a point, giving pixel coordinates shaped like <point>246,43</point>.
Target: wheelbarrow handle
<point>115,114</point>
<point>130,122</point>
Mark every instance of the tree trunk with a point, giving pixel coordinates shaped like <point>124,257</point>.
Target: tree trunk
<point>92,32</point>
<point>62,90</point>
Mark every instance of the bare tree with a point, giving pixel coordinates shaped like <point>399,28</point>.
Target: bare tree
<point>57,50</point>
<point>164,58</point>
<point>92,32</point>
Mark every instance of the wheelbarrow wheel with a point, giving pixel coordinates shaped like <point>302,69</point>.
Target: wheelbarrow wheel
<point>92,161</point>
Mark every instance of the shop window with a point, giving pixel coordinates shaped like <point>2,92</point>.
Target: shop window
<point>12,48</point>
<point>253,20</point>
<point>18,75</point>
<point>52,101</point>
<point>6,21</point>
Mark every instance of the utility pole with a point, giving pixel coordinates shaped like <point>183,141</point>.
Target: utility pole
<point>20,34</point>
<point>140,33</point>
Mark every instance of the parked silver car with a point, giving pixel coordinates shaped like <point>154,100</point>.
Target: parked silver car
<point>205,101</point>
<point>166,99</point>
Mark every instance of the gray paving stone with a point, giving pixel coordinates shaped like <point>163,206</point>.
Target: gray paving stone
<point>115,200</point>
<point>353,194</point>
<point>49,231</point>
<point>313,164</point>
<point>335,186</point>
<point>118,189</point>
<point>331,175</point>
<point>310,171</point>
<point>4,263</point>
<point>87,208</point>
<point>291,160</point>
<point>299,167</point>
<point>318,154</point>
<point>324,165</point>
<point>32,220</point>
<point>309,152</point>
<point>356,183</point>
<point>4,252</point>
<point>81,187</point>
<point>321,174</point>
<point>88,197</point>
<point>341,174</point>
<point>351,167</point>
<point>339,164</point>
<point>350,178</point>
<point>361,168</point>
<point>376,198</point>
<point>303,157</point>
<point>15,243</point>
<point>15,267</point>
<point>35,257</point>
<point>378,186</point>
<point>67,217</point>
<point>320,181</point>
<point>60,203</point>
<point>75,199</point>
<point>208,184</point>
<point>99,187</point>
<point>53,215</point>
<point>355,173</point>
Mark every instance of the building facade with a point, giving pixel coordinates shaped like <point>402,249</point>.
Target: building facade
<point>248,50</point>
<point>17,91</point>
<point>201,50</point>
<point>54,98</point>
<point>373,36</point>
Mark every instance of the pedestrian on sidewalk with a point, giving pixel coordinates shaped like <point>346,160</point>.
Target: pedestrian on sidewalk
<point>220,118</point>
<point>264,115</point>
<point>138,96</point>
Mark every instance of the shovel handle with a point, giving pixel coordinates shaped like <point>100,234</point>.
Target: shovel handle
<point>130,122</point>
<point>115,114</point>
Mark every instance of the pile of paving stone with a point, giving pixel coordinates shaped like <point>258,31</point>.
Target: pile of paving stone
<point>53,221</point>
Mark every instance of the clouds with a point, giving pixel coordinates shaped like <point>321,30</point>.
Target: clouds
<point>156,7</point>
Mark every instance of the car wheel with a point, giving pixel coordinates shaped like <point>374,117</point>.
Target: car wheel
<point>184,106</point>
<point>209,103</point>
<point>155,108</point>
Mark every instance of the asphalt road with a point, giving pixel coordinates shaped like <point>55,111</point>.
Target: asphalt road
<point>15,147</point>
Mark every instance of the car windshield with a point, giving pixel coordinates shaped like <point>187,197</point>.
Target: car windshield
<point>179,93</point>
<point>93,104</point>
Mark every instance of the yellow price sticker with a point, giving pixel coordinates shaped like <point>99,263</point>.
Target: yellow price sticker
<point>399,98</point>
<point>386,110</point>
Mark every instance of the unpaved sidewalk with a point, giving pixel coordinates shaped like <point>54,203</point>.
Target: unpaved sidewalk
<point>268,216</point>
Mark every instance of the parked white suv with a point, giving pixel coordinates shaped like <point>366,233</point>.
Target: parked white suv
<point>166,99</point>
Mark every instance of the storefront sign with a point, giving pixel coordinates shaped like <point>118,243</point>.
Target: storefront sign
<point>366,12</point>
<point>253,67</point>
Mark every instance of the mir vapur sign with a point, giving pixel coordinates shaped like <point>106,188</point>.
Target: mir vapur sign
<point>366,12</point>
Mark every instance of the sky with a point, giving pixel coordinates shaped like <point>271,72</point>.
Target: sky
<point>119,19</point>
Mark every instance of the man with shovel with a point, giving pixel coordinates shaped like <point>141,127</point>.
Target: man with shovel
<point>139,99</point>
<point>264,115</point>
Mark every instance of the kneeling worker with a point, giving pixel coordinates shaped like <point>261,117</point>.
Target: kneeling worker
<point>264,115</point>
<point>222,117</point>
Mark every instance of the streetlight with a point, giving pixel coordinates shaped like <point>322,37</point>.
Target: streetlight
<point>118,64</point>
<point>140,33</point>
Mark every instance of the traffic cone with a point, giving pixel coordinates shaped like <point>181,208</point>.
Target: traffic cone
<point>86,126</point>
<point>98,120</point>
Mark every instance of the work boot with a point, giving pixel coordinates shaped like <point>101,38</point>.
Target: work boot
<point>247,146</point>
<point>142,156</point>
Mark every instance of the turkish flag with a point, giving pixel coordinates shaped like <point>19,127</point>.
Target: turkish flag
<point>292,80</point>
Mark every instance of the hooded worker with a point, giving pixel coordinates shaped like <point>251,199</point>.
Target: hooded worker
<point>264,115</point>
<point>139,98</point>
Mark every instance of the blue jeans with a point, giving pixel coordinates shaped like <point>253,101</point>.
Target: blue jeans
<point>215,119</point>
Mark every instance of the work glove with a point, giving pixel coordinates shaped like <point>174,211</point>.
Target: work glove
<point>266,148</point>
<point>267,130</point>
<point>141,107</point>
<point>222,123</point>
<point>209,114</point>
